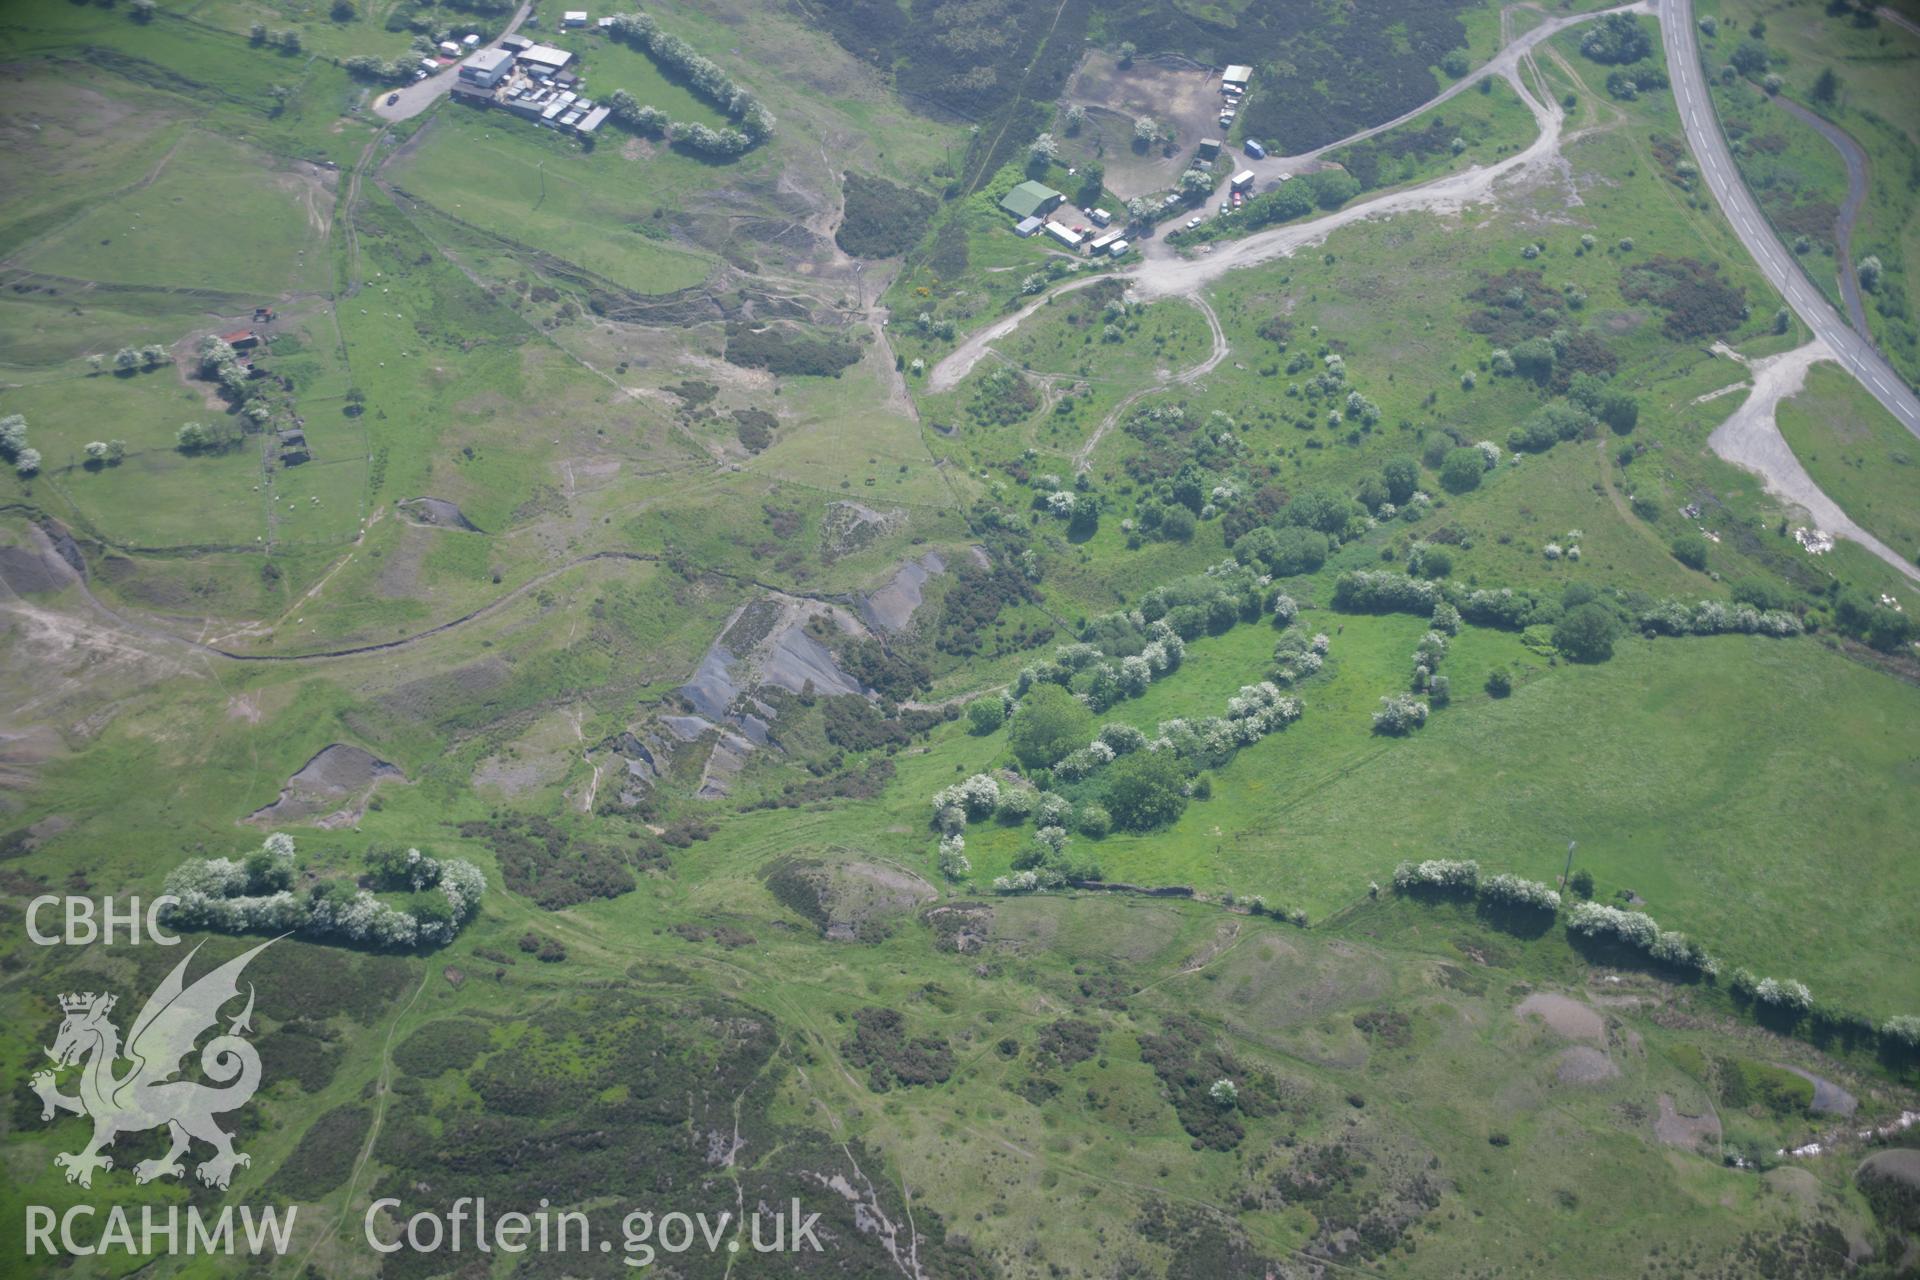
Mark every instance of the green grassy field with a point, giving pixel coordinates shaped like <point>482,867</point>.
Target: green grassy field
<point>210,74</point>
<point>158,497</point>
<point>1669,783</point>
<point>1858,454</point>
<point>1385,296</point>
<point>669,953</point>
<point>269,227</point>
<point>612,65</point>
<point>508,177</point>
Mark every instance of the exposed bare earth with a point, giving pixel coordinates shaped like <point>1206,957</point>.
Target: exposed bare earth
<point>1677,1129</point>
<point>891,606</point>
<point>1583,1064</point>
<point>335,783</point>
<point>1751,438</point>
<point>1828,1097</point>
<point>437,512</point>
<point>1565,1015</point>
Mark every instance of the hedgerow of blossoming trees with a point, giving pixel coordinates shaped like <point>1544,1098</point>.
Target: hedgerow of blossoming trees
<point>705,77</point>
<point>1785,999</point>
<point>254,895</point>
<point>1187,745</point>
<point>1380,591</point>
<point>1138,797</point>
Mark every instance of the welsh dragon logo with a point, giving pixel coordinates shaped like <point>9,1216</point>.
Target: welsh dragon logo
<point>145,1095</point>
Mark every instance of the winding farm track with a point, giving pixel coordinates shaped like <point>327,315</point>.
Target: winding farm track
<point>1083,457</point>
<point>1748,438</point>
<point>1898,19</point>
<point>1163,273</point>
<point>44,545</point>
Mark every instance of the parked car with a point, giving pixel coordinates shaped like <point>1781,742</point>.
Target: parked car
<point>1193,222</point>
<point>393,97</point>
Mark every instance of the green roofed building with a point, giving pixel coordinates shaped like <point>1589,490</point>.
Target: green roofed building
<point>1031,200</point>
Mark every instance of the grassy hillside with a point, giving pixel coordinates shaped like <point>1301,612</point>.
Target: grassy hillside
<point>639,566</point>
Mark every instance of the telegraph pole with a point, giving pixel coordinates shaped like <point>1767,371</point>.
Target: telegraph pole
<point>1568,873</point>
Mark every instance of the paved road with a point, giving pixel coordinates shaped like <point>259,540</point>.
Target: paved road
<point>1898,19</point>
<point>421,94</point>
<point>1849,214</point>
<point>1853,351</point>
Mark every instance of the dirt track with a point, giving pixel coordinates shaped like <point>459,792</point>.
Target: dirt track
<point>1083,458</point>
<point>1164,273</point>
<point>1751,438</point>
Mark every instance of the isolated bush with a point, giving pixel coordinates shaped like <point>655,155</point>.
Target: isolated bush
<point>986,714</point>
<point>1586,633</point>
<point>1048,724</point>
<point>1690,549</point>
<point>1146,790</point>
<point>1462,471</point>
<point>1399,713</point>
